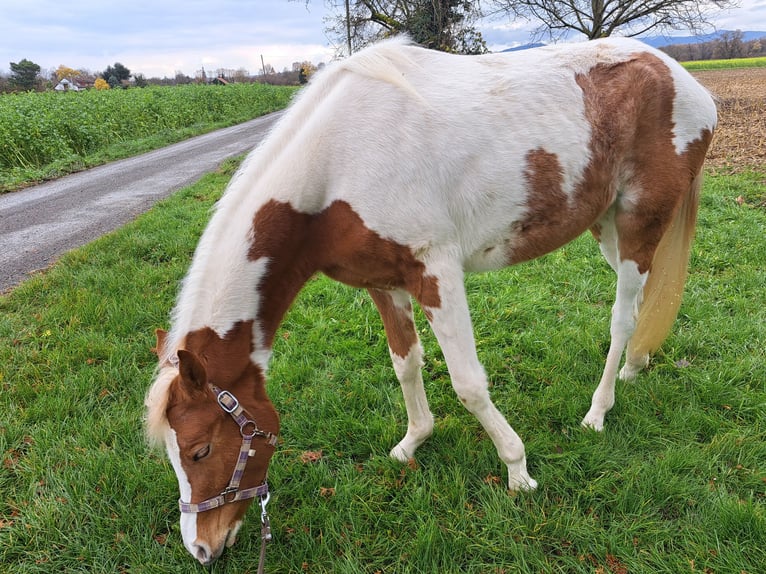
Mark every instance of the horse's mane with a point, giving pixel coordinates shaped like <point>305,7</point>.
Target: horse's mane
<point>156,403</point>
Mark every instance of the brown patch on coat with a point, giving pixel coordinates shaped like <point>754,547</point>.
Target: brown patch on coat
<point>397,321</point>
<point>552,219</point>
<point>629,107</point>
<point>336,242</point>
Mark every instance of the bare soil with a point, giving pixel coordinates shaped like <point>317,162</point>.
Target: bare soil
<point>740,139</point>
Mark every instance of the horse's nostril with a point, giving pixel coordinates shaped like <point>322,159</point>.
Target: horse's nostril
<point>202,553</point>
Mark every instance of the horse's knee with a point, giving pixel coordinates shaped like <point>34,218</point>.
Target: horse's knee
<point>473,393</point>
<point>407,368</point>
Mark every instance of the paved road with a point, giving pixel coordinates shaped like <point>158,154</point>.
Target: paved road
<point>40,223</point>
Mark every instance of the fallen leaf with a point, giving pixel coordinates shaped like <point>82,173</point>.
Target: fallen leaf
<point>160,539</point>
<point>615,565</point>
<point>327,492</point>
<point>311,456</point>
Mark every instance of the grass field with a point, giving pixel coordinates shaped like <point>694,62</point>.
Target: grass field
<point>676,483</point>
<point>45,135</point>
<point>725,64</point>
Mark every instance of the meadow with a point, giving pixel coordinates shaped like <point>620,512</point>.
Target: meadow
<point>676,483</point>
<point>45,135</point>
<point>758,62</point>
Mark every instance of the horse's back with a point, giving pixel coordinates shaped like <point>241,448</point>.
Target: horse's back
<point>430,147</point>
<point>493,159</point>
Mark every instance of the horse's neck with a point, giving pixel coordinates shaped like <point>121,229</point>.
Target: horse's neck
<point>246,268</point>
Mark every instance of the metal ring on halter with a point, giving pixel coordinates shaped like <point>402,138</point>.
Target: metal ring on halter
<point>256,430</point>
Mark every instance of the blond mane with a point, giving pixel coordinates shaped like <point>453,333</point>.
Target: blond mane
<point>156,403</point>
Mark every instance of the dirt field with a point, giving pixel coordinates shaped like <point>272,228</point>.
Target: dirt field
<point>740,140</point>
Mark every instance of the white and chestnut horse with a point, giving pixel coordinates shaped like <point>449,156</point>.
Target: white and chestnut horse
<point>398,170</point>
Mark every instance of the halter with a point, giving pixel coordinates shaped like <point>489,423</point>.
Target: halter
<point>249,430</point>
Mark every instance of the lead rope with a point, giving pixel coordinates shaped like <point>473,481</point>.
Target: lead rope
<point>265,531</point>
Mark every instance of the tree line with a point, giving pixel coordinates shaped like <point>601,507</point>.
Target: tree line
<point>28,76</point>
<point>729,45</point>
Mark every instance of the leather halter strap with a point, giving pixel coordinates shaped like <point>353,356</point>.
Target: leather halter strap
<point>249,430</point>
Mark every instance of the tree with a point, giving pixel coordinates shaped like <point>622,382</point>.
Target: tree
<point>730,45</point>
<point>305,71</point>
<point>601,18</point>
<point>101,84</point>
<point>116,75</point>
<point>445,25</point>
<point>66,72</point>
<point>24,74</point>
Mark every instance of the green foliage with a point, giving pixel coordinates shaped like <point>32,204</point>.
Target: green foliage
<point>447,25</point>
<point>674,484</point>
<point>441,25</point>
<point>47,132</point>
<point>116,75</point>
<point>24,74</point>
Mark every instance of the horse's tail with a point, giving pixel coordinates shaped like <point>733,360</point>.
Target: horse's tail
<point>664,287</point>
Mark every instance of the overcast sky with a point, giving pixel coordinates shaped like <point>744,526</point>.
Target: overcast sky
<point>160,37</point>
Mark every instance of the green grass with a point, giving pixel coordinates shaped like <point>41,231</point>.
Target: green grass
<point>676,483</point>
<point>759,62</point>
<point>45,135</point>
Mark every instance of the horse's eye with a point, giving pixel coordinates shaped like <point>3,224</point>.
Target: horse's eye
<point>201,453</point>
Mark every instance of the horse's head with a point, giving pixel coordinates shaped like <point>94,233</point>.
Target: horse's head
<point>219,430</point>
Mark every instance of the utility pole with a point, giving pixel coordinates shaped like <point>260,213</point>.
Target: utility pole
<point>348,26</point>
<point>263,66</point>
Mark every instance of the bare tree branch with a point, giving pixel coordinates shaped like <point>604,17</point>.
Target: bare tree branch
<point>597,18</point>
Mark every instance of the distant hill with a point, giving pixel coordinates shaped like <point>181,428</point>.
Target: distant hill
<point>661,41</point>
<point>524,47</point>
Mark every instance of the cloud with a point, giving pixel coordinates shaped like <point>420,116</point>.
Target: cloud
<point>158,38</point>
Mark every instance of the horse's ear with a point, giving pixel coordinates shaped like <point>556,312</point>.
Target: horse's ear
<point>192,371</point>
<point>161,335</point>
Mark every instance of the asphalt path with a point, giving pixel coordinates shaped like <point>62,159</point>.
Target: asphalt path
<point>38,224</point>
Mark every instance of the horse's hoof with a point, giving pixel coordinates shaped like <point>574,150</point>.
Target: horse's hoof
<point>522,484</point>
<point>593,423</point>
<point>399,454</point>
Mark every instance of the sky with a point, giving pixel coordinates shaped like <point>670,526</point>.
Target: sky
<point>161,37</point>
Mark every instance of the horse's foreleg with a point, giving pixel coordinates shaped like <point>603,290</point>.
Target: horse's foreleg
<point>451,323</point>
<point>407,356</point>
<point>630,284</point>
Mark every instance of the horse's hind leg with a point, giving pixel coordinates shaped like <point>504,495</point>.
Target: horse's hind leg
<point>655,237</point>
<point>451,322</point>
<point>630,283</point>
<point>407,356</point>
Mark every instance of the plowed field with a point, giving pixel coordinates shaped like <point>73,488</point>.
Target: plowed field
<point>740,140</point>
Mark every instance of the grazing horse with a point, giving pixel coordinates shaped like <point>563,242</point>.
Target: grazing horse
<point>398,170</point>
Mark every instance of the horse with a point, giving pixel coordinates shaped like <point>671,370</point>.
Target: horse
<point>398,170</point>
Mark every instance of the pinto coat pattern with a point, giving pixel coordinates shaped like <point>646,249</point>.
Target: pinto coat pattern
<point>397,171</point>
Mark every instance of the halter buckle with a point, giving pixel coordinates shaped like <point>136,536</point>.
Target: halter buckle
<point>227,401</point>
